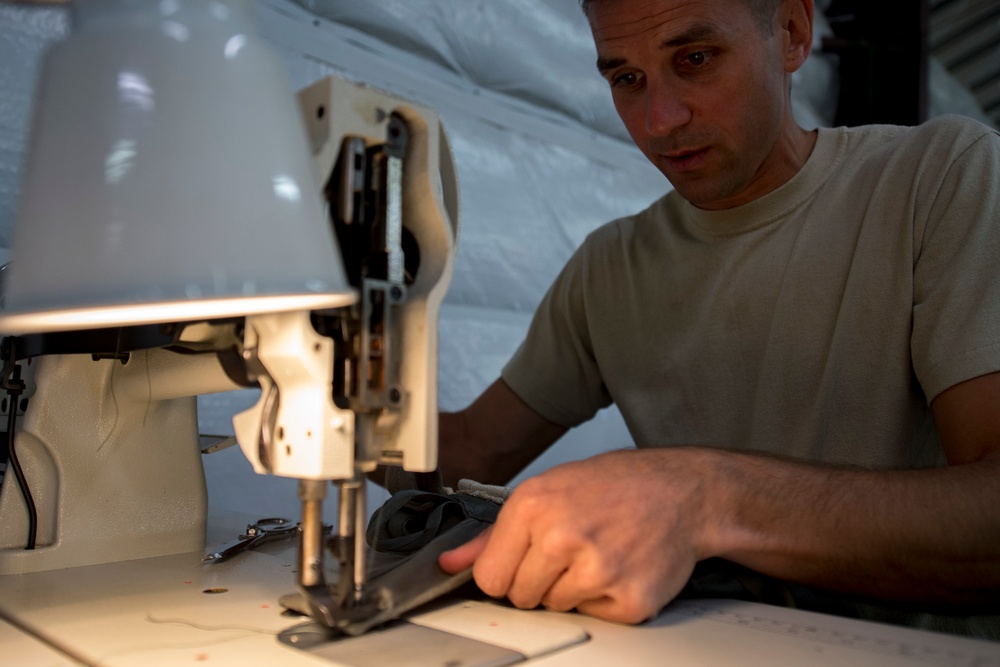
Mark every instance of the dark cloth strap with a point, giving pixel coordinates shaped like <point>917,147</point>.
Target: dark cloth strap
<point>412,518</point>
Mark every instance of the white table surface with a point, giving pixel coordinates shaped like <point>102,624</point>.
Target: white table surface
<point>156,612</point>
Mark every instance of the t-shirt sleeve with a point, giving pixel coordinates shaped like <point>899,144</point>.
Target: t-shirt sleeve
<point>554,370</point>
<point>956,300</point>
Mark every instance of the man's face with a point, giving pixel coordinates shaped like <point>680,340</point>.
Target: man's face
<point>700,86</point>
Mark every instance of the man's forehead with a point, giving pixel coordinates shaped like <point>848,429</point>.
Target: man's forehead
<point>618,25</point>
<point>612,20</point>
<point>653,7</point>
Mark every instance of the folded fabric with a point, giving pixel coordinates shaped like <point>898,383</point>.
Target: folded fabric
<point>410,519</point>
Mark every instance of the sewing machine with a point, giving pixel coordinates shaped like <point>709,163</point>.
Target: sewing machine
<point>110,445</point>
<point>106,459</point>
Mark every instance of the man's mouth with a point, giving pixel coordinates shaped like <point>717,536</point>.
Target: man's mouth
<point>685,160</point>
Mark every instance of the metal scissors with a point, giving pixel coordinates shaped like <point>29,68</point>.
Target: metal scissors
<point>264,530</point>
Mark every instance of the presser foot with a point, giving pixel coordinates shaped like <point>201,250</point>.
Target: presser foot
<point>407,584</point>
<point>319,602</point>
<point>330,620</point>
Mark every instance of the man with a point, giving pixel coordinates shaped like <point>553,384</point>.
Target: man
<point>803,338</point>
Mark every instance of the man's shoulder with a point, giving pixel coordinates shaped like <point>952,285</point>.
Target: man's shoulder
<point>943,135</point>
<point>920,156</point>
<point>953,126</point>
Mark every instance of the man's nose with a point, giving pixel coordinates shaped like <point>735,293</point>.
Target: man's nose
<point>666,109</point>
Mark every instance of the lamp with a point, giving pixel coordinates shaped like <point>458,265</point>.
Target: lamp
<point>168,177</point>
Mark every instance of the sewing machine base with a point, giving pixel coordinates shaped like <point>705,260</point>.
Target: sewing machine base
<point>400,643</point>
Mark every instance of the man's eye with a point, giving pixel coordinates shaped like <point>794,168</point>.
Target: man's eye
<point>696,59</point>
<point>624,80</point>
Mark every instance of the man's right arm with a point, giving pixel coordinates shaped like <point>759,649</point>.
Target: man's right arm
<point>493,439</point>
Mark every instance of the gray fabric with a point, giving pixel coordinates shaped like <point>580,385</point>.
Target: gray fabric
<point>406,536</point>
<point>401,583</point>
<point>492,492</point>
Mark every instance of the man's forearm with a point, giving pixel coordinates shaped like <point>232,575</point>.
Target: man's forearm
<point>921,536</point>
<point>494,438</point>
<point>458,454</point>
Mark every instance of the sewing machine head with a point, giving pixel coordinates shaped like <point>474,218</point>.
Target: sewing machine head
<point>390,189</point>
<point>341,340</point>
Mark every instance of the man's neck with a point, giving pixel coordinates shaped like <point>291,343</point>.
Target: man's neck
<point>788,155</point>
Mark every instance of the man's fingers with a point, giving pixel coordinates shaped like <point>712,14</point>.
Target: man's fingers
<point>632,601</point>
<point>536,574</point>
<point>463,557</point>
<point>629,612</point>
<point>507,546</point>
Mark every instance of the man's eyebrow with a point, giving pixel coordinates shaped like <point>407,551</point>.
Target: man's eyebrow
<point>603,65</point>
<point>698,32</point>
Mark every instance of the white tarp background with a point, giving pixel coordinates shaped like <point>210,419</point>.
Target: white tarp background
<point>542,160</point>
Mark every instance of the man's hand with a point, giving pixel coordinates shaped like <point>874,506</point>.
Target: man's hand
<point>618,535</point>
<point>615,536</point>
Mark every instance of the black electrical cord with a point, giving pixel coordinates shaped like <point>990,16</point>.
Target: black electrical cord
<point>19,476</point>
<point>14,385</point>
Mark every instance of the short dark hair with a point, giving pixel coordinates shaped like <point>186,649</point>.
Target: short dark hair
<point>762,10</point>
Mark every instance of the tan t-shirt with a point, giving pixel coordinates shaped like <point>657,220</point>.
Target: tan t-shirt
<point>818,321</point>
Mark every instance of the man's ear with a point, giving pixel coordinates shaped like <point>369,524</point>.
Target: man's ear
<point>796,18</point>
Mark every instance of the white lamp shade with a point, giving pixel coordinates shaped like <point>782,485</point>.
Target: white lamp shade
<point>168,177</point>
